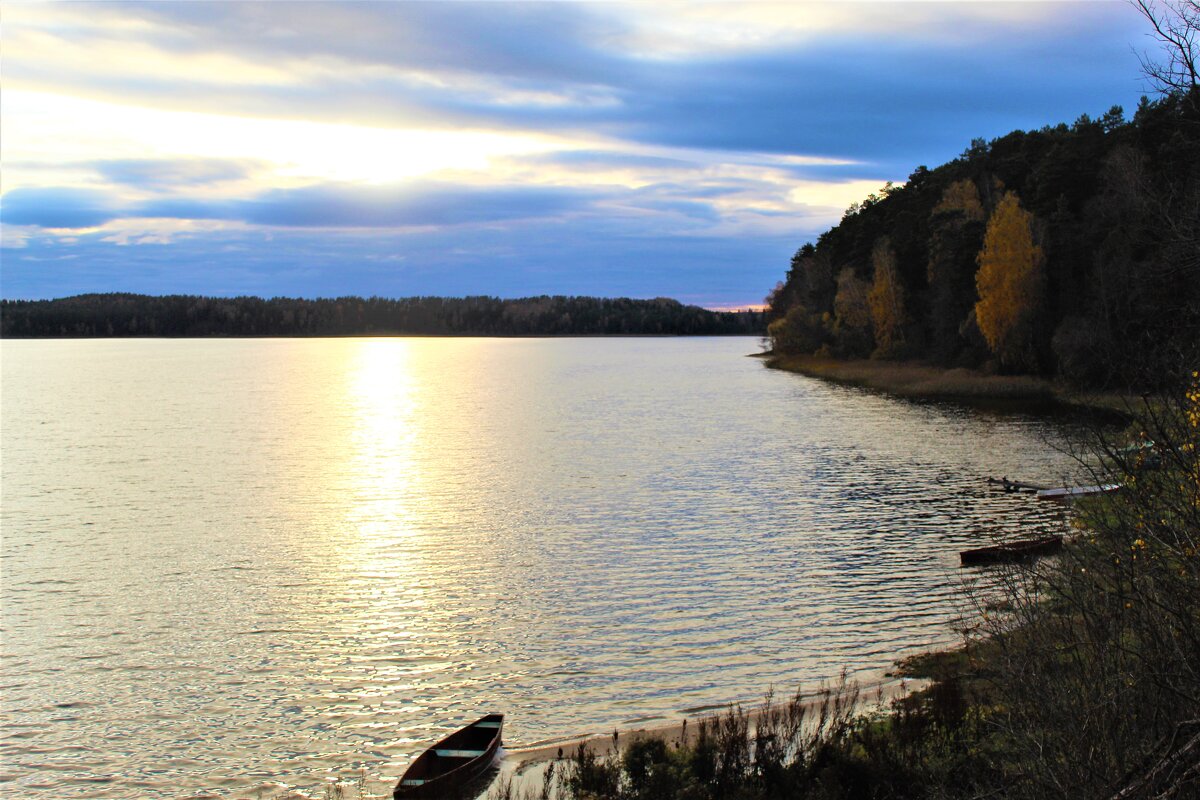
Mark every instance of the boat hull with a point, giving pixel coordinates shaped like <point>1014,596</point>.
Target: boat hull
<point>1010,552</point>
<point>449,768</point>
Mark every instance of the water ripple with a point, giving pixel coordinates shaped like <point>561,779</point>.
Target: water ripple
<point>234,566</point>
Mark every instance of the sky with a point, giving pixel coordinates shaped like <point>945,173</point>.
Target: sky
<point>449,148</point>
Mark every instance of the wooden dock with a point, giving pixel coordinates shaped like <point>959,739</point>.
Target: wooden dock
<point>1073,492</point>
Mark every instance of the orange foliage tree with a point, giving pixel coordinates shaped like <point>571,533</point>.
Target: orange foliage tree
<point>886,301</point>
<point>963,197</point>
<point>851,324</point>
<point>1011,282</point>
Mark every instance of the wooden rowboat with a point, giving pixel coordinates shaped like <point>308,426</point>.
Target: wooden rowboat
<point>445,770</point>
<point>1007,552</point>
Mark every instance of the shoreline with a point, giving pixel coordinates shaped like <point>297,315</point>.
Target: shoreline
<point>870,695</point>
<point>525,766</point>
<point>918,380</point>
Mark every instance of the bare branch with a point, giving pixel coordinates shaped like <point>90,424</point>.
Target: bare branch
<point>1173,769</point>
<point>1176,25</point>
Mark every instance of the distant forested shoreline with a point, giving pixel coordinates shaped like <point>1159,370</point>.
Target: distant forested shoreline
<point>1070,252</point>
<point>123,315</point>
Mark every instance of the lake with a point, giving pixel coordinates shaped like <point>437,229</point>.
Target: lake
<point>243,565</point>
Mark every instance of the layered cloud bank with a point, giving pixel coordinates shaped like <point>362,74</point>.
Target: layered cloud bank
<point>506,148</point>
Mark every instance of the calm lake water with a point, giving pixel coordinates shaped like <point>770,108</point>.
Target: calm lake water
<point>234,565</point>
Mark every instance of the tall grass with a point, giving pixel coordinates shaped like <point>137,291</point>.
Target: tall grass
<point>913,379</point>
<point>821,746</point>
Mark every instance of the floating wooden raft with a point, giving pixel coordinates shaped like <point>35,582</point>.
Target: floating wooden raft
<point>1009,552</point>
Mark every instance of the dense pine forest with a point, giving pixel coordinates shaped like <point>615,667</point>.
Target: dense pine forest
<point>184,315</point>
<point>1069,251</point>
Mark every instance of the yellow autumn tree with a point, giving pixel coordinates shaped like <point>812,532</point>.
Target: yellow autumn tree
<point>963,197</point>
<point>886,301</point>
<point>852,316</point>
<point>1011,282</point>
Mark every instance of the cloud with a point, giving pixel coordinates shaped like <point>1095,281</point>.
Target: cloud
<point>583,255</point>
<point>322,206</point>
<point>726,205</point>
<point>864,100</point>
<point>480,38</point>
<point>53,207</point>
<point>684,137</point>
<point>607,160</point>
<point>160,173</point>
<point>678,122</point>
<point>906,81</point>
<point>428,204</point>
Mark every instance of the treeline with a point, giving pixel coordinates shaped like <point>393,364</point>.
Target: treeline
<point>1068,251</point>
<point>99,315</point>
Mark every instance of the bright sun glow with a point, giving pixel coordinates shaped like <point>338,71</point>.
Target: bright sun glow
<point>54,129</point>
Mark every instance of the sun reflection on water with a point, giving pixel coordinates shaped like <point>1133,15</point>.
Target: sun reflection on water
<point>383,397</point>
<point>383,550</point>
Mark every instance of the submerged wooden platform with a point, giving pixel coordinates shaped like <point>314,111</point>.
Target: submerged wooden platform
<point>1015,486</point>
